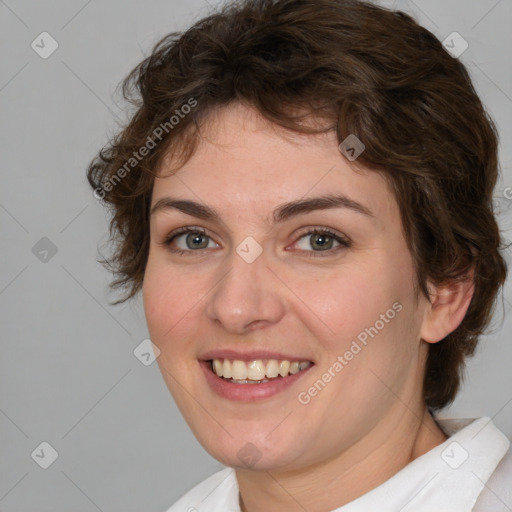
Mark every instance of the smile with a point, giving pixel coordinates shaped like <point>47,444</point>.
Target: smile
<point>253,378</point>
<point>258,371</point>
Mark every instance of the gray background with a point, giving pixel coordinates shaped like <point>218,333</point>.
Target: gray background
<point>68,375</point>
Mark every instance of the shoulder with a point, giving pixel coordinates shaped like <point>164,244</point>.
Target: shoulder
<point>217,492</point>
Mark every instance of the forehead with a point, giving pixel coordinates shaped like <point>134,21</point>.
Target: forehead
<point>244,161</point>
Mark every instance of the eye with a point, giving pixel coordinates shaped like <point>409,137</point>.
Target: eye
<point>188,240</point>
<point>321,240</point>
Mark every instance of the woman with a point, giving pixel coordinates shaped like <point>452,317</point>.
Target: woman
<point>304,198</point>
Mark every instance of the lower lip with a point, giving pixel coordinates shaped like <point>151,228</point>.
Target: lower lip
<point>249,392</point>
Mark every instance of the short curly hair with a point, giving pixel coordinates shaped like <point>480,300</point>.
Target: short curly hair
<point>366,70</point>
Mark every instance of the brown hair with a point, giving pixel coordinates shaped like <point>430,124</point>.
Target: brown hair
<point>369,71</point>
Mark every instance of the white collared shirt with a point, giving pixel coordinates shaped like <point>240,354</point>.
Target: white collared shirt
<point>470,471</point>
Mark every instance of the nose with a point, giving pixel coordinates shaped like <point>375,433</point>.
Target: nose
<point>247,297</point>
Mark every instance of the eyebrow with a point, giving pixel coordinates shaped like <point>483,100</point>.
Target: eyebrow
<point>280,214</point>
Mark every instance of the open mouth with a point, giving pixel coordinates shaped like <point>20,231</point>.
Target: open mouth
<point>258,371</point>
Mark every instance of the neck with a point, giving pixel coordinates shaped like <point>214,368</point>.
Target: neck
<point>347,476</point>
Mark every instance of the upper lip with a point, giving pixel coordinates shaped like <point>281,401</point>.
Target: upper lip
<point>252,355</point>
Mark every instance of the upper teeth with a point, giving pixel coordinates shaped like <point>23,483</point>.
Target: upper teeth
<point>256,370</point>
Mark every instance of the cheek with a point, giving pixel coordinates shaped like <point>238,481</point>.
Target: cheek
<point>168,298</point>
<point>156,300</point>
<point>348,300</point>
<point>372,324</point>
<point>169,310</point>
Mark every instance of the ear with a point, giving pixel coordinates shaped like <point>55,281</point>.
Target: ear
<point>447,308</point>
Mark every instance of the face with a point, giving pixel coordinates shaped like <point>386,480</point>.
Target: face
<point>276,262</point>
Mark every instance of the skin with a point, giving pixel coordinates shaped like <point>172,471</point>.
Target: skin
<point>370,420</point>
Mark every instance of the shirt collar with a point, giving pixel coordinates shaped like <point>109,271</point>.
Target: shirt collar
<point>447,478</point>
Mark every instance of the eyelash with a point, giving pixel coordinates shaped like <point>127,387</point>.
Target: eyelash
<point>343,241</point>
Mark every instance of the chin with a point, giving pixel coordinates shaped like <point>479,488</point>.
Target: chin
<point>254,449</point>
